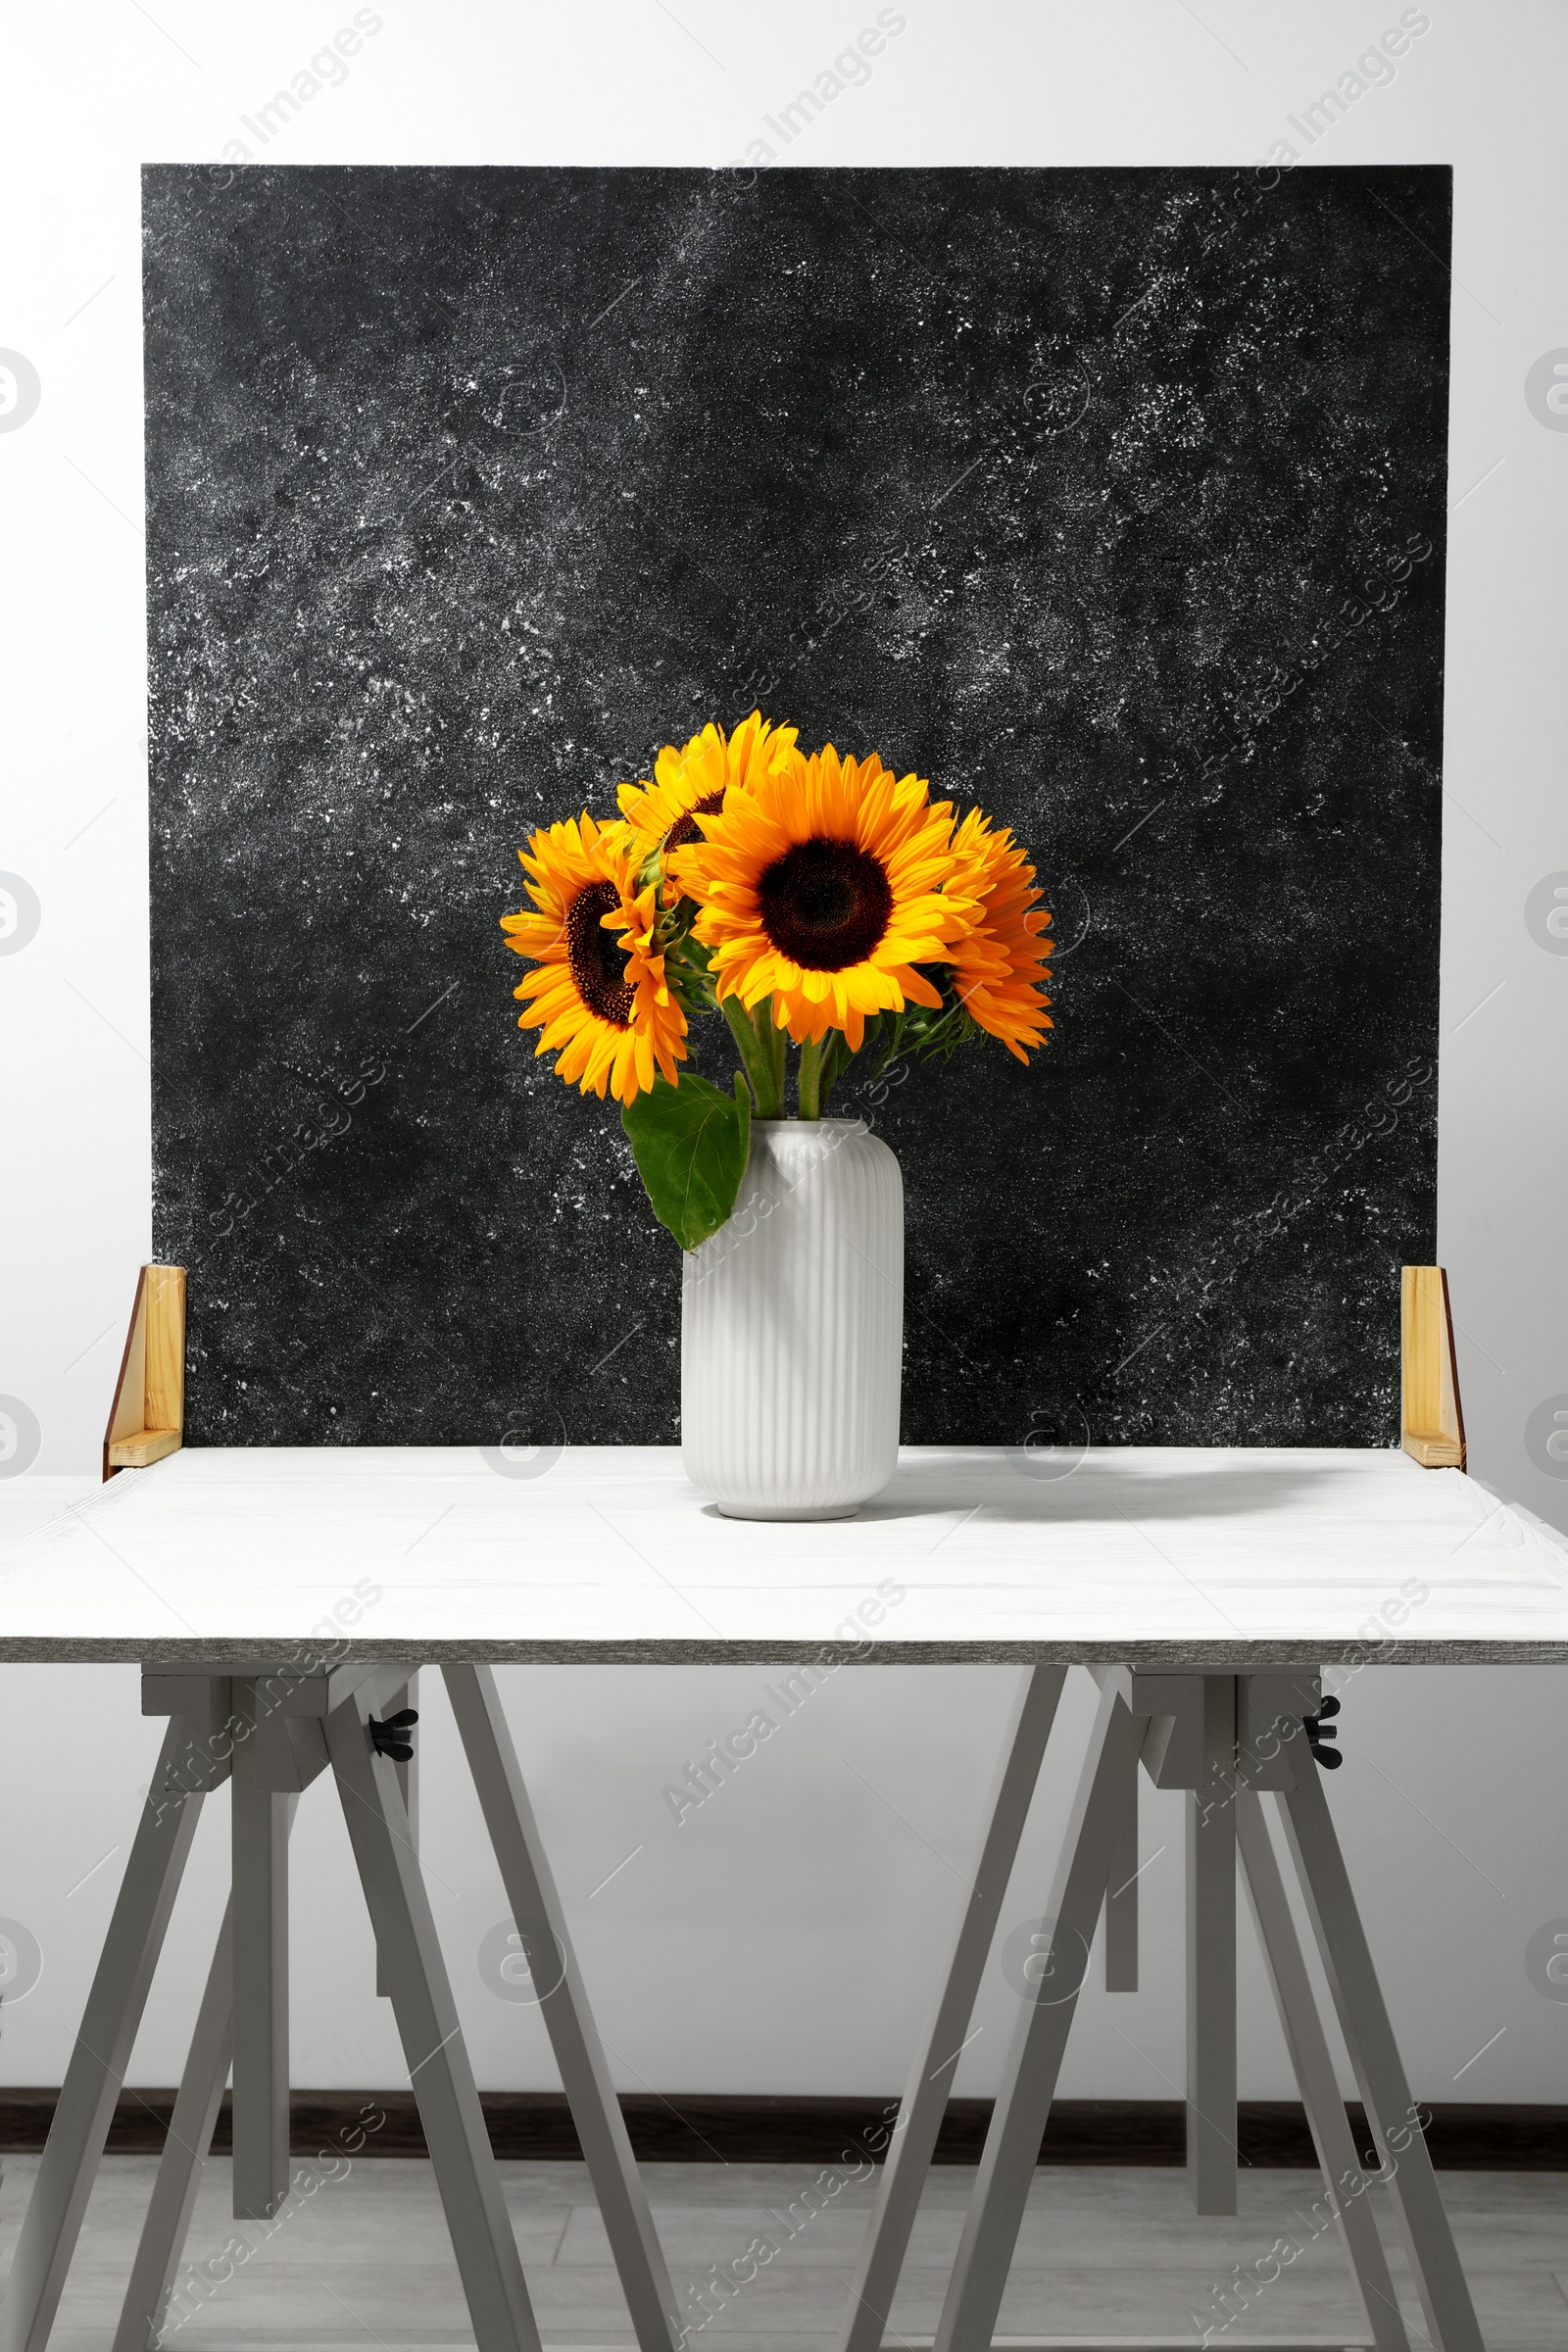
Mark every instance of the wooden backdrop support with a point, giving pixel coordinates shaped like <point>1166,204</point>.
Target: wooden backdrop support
<point>148,1418</point>
<point>1432,1422</point>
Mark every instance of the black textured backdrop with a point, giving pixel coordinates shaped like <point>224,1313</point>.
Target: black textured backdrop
<point>1112,498</point>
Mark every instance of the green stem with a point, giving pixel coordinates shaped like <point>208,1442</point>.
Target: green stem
<point>774,1042</point>
<point>810,1080</point>
<point>836,1059</point>
<point>756,1058</point>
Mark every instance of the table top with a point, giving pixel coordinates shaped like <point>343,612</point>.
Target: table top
<point>1194,1557</point>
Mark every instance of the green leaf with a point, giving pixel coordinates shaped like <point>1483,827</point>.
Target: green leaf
<point>691,1142</point>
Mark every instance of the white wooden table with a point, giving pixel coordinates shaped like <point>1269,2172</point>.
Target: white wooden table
<point>1222,1558</point>
<point>281,1602</point>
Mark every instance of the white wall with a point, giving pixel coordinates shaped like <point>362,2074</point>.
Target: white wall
<point>782,1938</point>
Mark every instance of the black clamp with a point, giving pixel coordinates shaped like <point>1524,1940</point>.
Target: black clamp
<point>1319,1728</point>
<point>392,1737</point>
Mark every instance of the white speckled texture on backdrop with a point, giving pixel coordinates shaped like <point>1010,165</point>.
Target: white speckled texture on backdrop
<point>1113,498</point>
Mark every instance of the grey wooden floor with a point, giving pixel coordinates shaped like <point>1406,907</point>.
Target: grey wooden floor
<point>1104,2252</point>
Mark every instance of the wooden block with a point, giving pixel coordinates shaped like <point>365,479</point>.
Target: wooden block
<point>128,1412</point>
<point>1431,1420</point>
<point>166,1348</point>
<point>147,1418</point>
<point>1436,1453</point>
<point>146,1446</point>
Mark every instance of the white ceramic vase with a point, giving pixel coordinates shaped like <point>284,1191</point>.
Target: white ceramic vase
<point>792,1328</point>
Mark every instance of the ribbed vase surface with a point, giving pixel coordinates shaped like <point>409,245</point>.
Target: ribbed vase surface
<point>792,1328</point>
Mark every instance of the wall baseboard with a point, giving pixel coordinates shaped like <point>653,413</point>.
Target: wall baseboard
<point>703,2128</point>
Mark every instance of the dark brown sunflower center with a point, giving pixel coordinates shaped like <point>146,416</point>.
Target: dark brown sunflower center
<point>825,904</point>
<point>598,965</point>
<point>685,829</point>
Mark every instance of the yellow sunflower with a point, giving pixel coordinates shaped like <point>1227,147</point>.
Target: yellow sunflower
<point>822,886</point>
<point>1000,966</point>
<point>600,991</point>
<point>694,780</point>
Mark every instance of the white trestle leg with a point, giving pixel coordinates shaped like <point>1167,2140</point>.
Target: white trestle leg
<point>460,2156</point>
<point>930,2084</point>
<point>1218,1736</point>
<point>408,1772</point>
<point>1029,2079</point>
<point>260,1902</point>
<point>1121,1895</point>
<point>1211,1958</point>
<point>184,2158</point>
<point>541,1922</point>
<point>1378,2070</point>
<point>1308,2044</point>
<point>102,2052</point>
<point>167,2225</point>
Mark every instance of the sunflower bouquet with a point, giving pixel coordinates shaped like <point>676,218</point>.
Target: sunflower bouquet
<point>808,898</point>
